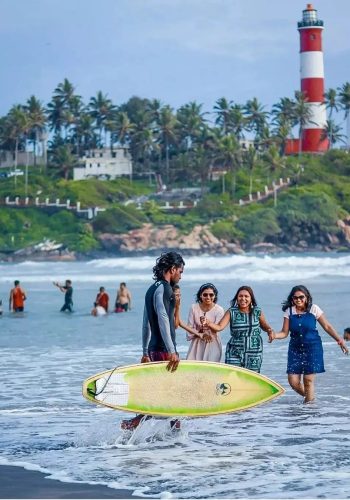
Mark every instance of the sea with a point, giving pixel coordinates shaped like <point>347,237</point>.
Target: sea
<point>282,449</point>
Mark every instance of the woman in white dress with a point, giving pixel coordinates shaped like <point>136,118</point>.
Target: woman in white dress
<point>205,344</point>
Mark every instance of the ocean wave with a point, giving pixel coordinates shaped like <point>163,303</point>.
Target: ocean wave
<point>197,268</point>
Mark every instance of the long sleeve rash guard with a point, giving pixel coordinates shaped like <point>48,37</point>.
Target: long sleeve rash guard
<point>158,329</point>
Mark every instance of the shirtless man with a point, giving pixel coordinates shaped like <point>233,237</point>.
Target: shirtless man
<point>123,300</point>
<point>17,298</point>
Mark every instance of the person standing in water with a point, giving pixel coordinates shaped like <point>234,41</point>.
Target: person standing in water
<point>246,319</point>
<point>101,303</point>
<point>205,344</point>
<point>67,289</point>
<point>158,328</point>
<point>123,299</point>
<point>305,352</point>
<point>17,298</point>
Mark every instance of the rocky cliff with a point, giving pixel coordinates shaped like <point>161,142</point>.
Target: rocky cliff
<point>153,239</point>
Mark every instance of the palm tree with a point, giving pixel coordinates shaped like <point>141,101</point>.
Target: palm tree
<point>250,158</point>
<point>167,133</point>
<point>222,110</point>
<point>282,133</point>
<point>37,122</point>
<point>274,163</point>
<point>284,119</point>
<point>146,146</point>
<point>101,109</point>
<point>284,111</point>
<point>154,107</point>
<point>332,132</point>
<point>303,114</point>
<point>64,91</point>
<point>200,162</point>
<point>344,100</point>
<point>63,159</point>
<point>63,107</point>
<point>256,116</point>
<point>56,115</point>
<point>84,137</point>
<point>122,128</point>
<point>237,122</point>
<point>190,119</point>
<point>331,101</point>
<point>229,153</point>
<point>17,128</point>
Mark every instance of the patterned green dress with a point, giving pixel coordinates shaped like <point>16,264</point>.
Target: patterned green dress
<point>245,347</point>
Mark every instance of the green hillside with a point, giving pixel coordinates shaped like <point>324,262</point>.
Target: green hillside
<point>306,211</point>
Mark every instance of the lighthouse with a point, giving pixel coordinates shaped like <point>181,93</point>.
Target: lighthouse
<point>312,81</point>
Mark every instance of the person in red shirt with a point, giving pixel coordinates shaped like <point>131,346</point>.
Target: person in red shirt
<point>102,299</point>
<point>17,298</point>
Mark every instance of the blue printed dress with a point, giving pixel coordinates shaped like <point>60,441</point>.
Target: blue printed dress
<point>245,347</point>
<point>305,352</point>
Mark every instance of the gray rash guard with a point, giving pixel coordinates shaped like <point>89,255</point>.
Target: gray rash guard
<point>158,328</point>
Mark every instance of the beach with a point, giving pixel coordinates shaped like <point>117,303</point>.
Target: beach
<point>21,483</point>
<point>64,446</point>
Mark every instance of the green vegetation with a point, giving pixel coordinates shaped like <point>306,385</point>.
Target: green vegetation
<point>306,211</point>
<point>187,147</point>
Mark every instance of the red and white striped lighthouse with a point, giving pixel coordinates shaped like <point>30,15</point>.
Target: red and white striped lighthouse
<point>312,80</point>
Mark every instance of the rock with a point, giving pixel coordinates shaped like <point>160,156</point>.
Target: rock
<point>265,248</point>
<point>150,238</point>
<point>344,226</point>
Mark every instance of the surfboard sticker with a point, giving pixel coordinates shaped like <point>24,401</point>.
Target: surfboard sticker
<point>196,388</point>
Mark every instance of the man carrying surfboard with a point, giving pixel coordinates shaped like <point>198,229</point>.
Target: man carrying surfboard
<point>158,328</point>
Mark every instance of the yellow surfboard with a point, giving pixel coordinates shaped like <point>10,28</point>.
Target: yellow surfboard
<point>195,389</point>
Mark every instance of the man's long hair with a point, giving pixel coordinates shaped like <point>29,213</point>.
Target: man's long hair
<point>165,262</point>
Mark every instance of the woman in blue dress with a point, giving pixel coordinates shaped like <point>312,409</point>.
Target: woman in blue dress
<point>305,352</point>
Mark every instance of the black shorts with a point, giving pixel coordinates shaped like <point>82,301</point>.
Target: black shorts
<point>121,307</point>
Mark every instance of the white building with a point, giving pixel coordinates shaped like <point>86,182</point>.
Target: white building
<point>7,159</point>
<point>104,164</point>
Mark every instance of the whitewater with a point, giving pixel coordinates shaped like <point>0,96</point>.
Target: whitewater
<point>283,449</point>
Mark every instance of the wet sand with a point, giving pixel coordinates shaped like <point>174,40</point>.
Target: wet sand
<point>21,483</point>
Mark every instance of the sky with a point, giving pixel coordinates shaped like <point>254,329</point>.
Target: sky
<point>173,50</point>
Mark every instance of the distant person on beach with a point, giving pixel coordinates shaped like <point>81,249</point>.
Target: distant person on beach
<point>246,320</point>
<point>67,289</point>
<point>17,298</point>
<point>101,303</point>
<point>305,352</point>
<point>1,311</point>
<point>205,344</point>
<point>346,334</point>
<point>123,300</point>
<point>158,329</point>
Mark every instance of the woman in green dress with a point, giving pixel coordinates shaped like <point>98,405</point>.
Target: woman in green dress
<point>246,319</point>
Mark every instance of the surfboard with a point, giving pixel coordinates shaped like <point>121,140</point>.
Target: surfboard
<point>195,389</point>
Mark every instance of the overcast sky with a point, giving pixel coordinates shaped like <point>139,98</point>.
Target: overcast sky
<point>173,50</point>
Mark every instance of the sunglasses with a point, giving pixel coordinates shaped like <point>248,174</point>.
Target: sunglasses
<point>208,294</point>
<point>298,297</point>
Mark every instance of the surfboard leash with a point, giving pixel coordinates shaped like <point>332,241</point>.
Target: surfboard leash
<point>90,391</point>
